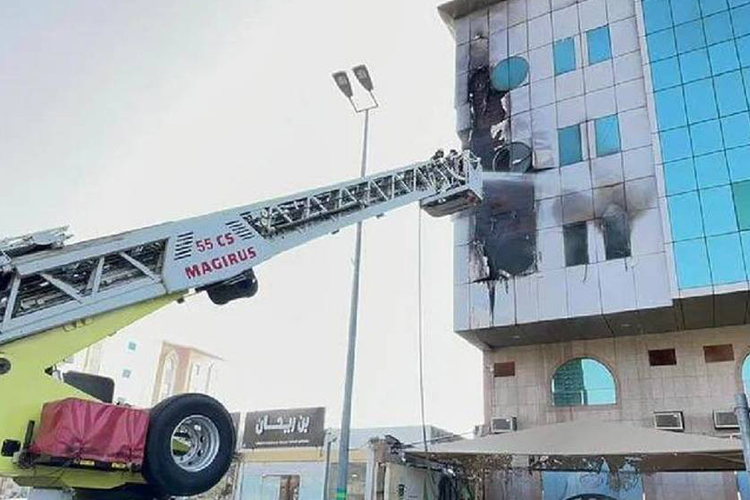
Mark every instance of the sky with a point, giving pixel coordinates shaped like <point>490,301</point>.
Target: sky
<point>118,115</point>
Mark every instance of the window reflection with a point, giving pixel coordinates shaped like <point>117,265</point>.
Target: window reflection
<point>583,382</point>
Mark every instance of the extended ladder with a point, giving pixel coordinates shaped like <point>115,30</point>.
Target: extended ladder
<point>44,284</point>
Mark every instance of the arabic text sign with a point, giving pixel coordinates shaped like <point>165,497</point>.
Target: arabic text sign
<point>284,428</point>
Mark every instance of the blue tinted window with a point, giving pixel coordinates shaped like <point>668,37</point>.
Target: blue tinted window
<point>725,258</point>
<point>569,144</point>
<point>746,79</point>
<point>661,45</point>
<point>666,73</point>
<point>600,47</point>
<point>718,28</point>
<point>712,6</point>
<point>607,131</point>
<point>741,19</point>
<point>711,170</point>
<point>736,130</point>
<point>700,101</point>
<point>657,14</point>
<point>739,166</point>
<point>737,3</point>
<point>729,93</point>
<point>745,237</point>
<point>723,57</point>
<point>717,207</point>
<point>694,65</point>
<point>583,382</point>
<point>565,56</point>
<point>706,137</point>
<point>743,47</point>
<point>680,176</point>
<point>670,108</point>
<point>691,259</point>
<point>675,144</point>
<point>690,36</point>
<point>685,216</point>
<point>742,203</point>
<point>685,10</point>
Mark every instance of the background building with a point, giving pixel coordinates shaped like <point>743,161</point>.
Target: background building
<point>183,369</point>
<point>606,274</point>
<point>298,473</point>
<point>146,371</point>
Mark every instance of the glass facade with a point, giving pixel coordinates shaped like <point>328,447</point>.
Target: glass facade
<point>699,52</point>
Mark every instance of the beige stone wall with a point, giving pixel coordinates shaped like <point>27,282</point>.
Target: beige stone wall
<point>693,386</point>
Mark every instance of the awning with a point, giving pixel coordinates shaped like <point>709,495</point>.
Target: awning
<point>581,445</point>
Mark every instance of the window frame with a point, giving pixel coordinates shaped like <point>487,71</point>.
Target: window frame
<point>593,35</point>
<point>582,407</point>
<point>599,128</point>
<point>562,131</point>
<point>561,50</point>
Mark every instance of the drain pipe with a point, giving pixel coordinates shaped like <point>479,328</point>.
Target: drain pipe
<point>743,419</point>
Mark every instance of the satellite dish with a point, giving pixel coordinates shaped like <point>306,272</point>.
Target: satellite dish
<point>509,73</point>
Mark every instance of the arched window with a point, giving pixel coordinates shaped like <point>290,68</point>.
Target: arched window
<point>583,382</point>
<point>746,374</point>
<point>168,376</point>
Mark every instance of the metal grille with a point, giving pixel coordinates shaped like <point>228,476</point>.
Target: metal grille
<point>184,246</point>
<point>240,229</point>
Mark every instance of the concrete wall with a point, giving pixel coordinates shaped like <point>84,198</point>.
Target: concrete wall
<point>692,386</point>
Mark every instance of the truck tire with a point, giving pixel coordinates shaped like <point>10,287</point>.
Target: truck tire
<point>190,444</point>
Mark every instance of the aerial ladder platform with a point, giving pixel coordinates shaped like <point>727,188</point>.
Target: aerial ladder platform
<point>57,299</point>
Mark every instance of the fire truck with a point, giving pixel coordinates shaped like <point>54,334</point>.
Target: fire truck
<point>57,299</point>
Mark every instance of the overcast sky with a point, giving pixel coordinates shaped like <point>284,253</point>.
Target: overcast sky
<point>117,115</point>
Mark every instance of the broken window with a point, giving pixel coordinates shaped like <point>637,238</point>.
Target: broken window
<point>662,357</point>
<point>507,369</point>
<point>575,238</point>
<point>616,236</point>
<point>718,353</point>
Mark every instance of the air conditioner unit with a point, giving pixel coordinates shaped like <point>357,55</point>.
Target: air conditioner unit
<point>505,424</point>
<point>725,420</point>
<point>669,421</point>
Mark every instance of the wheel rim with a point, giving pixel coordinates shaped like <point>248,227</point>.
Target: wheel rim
<point>195,443</point>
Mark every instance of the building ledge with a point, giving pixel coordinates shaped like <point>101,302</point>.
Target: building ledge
<point>695,313</point>
<point>450,11</point>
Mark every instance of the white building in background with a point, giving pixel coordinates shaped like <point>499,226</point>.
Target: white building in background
<point>147,370</point>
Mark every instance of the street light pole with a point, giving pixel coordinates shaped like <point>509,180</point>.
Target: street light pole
<point>342,479</point>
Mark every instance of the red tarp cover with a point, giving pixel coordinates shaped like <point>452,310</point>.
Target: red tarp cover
<point>78,429</point>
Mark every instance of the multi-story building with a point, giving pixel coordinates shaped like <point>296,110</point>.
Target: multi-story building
<point>606,274</point>
<point>183,369</point>
<point>147,370</point>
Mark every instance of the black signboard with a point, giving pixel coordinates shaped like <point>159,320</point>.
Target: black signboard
<point>285,428</point>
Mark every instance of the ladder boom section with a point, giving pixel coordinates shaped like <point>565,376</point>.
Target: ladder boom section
<point>44,284</point>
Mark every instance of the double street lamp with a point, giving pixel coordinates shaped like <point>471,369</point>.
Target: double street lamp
<point>342,81</point>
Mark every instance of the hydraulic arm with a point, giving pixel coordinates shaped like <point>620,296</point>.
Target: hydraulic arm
<point>56,300</point>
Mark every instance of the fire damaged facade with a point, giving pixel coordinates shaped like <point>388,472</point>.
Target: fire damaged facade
<point>606,274</point>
